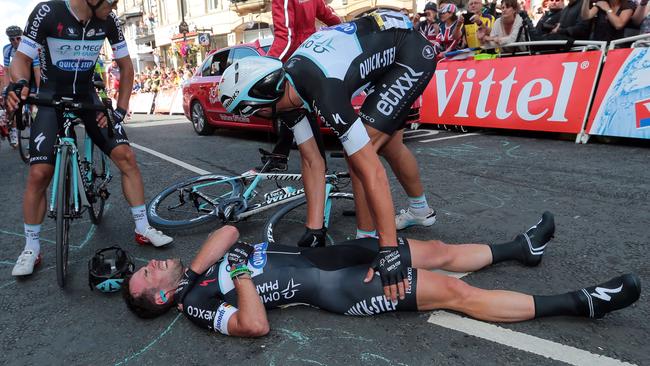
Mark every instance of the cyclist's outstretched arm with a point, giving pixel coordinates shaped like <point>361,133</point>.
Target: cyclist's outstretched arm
<point>214,248</point>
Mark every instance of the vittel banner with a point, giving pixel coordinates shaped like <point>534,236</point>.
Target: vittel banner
<point>542,93</point>
<point>622,103</point>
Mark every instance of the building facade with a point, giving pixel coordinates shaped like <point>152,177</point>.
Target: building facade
<point>152,26</point>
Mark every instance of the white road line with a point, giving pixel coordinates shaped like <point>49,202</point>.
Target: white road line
<point>416,134</point>
<point>521,341</point>
<point>182,164</point>
<point>451,137</point>
<point>156,124</point>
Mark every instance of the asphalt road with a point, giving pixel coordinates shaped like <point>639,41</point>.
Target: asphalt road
<point>486,187</point>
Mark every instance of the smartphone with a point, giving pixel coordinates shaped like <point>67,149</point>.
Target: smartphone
<point>468,16</point>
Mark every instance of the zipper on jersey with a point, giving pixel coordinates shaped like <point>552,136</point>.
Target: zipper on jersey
<point>76,71</point>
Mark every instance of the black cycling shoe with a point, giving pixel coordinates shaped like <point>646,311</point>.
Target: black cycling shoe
<point>277,162</point>
<point>534,241</point>
<point>313,238</point>
<point>614,294</point>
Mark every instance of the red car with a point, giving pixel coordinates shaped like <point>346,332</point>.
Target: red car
<point>200,94</point>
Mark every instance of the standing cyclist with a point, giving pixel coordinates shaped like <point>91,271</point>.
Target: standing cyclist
<point>14,33</point>
<point>52,28</point>
<point>380,51</point>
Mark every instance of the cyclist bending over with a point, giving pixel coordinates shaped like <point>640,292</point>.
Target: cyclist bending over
<point>379,51</point>
<point>52,27</point>
<point>229,284</point>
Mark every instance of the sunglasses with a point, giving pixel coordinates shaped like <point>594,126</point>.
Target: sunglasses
<point>15,39</point>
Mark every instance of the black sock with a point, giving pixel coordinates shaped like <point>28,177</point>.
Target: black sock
<point>564,304</point>
<point>506,251</point>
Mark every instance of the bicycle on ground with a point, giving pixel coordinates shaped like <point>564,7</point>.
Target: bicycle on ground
<point>200,200</point>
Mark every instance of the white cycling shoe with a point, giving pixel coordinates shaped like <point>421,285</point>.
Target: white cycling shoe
<point>153,237</point>
<point>26,262</point>
<point>406,218</point>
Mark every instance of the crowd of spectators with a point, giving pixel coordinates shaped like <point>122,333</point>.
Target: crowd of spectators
<point>154,79</point>
<point>495,23</point>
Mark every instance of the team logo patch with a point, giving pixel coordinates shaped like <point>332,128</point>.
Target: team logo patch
<point>428,52</point>
<point>642,113</point>
<point>347,28</point>
<point>90,33</point>
<point>70,31</point>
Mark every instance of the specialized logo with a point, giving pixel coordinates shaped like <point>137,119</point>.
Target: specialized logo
<point>428,52</point>
<point>376,61</point>
<point>259,256</point>
<point>38,141</point>
<point>290,291</point>
<point>392,97</point>
<point>200,313</point>
<point>603,293</point>
<point>642,109</point>
<point>372,306</point>
<point>119,129</point>
<point>205,283</point>
<point>338,120</point>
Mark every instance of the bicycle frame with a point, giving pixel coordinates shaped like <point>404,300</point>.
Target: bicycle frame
<point>255,178</point>
<point>68,142</point>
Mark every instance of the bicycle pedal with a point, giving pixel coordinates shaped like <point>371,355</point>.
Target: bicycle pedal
<point>104,194</point>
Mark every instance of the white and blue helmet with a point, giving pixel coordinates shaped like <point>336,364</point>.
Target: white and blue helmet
<point>251,83</point>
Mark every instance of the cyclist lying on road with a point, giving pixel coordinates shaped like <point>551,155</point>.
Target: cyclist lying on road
<point>229,284</point>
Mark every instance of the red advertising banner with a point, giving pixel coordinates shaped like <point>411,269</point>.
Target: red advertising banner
<point>622,103</point>
<point>541,93</point>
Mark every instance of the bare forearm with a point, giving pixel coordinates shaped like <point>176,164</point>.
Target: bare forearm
<point>252,314</point>
<point>126,84</point>
<point>20,67</point>
<point>214,248</point>
<point>375,183</point>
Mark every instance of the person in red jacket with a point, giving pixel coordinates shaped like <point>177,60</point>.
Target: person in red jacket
<point>293,22</point>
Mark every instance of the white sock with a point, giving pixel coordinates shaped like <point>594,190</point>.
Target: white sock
<point>419,206</point>
<point>140,217</point>
<point>366,234</point>
<point>32,236</point>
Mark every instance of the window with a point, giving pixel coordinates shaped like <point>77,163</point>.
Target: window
<point>212,4</point>
<point>219,63</point>
<point>205,68</point>
<point>243,52</point>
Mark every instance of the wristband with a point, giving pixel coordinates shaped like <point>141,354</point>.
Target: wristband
<point>239,270</point>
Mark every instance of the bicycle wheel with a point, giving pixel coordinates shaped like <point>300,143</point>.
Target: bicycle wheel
<point>23,136</point>
<point>97,177</point>
<point>63,217</point>
<point>287,224</point>
<point>179,208</point>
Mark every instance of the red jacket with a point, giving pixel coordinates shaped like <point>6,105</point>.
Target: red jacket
<point>294,21</point>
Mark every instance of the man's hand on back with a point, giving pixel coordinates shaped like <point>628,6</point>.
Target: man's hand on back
<point>388,263</point>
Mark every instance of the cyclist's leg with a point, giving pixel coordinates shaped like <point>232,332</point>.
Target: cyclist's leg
<point>42,159</point>
<point>118,149</point>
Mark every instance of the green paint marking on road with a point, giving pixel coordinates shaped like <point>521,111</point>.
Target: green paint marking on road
<point>146,348</point>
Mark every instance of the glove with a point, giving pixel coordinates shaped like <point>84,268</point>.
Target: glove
<point>388,263</point>
<point>118,115</point>
<point>237,257</point>
<point>313,238</point>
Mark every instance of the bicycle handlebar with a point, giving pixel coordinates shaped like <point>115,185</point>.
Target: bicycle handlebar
<point>63,103</point>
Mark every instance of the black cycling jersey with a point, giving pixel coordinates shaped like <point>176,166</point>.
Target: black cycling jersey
<point>68,51</point>
<point>330,278</point>
<point>379,53</point>
<point>67,48</point>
